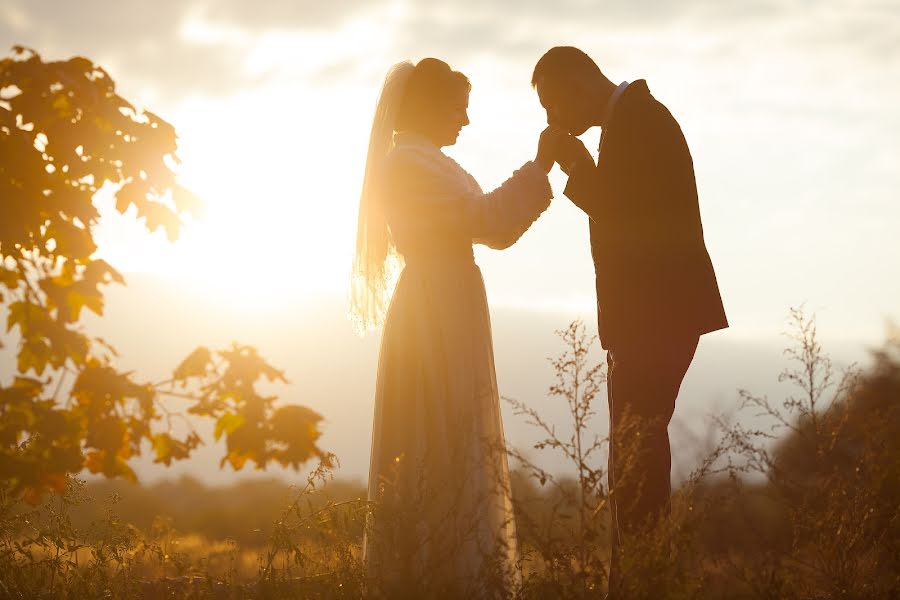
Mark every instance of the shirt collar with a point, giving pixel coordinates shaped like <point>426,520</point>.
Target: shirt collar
<point>611,103</point>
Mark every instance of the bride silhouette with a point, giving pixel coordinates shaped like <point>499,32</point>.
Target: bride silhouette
<point>438,474</point>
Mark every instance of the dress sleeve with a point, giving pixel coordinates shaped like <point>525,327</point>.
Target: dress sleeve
<point>507,212</point>
<point>424,197</point>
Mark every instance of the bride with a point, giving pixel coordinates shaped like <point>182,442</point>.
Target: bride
<point>443,522</point>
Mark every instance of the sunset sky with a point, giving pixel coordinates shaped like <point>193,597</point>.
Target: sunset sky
<point>790,109</point>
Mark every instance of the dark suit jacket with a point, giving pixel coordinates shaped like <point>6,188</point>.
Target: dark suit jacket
<point>653,274</point>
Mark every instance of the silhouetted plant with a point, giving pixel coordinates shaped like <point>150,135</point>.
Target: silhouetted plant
<point>569,536</point>
<point>831,479</point>
<point>64,135</point>
<point>580,500</point>
<point>313,550</point>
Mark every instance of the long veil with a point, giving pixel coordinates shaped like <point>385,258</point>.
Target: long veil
<point>376,261</point>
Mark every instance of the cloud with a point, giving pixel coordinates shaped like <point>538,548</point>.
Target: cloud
<point>284,14</point>
<point>184,48</point>
<point>173,48</point>
<point>139,42</point>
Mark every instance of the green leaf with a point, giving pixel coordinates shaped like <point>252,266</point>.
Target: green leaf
<point>186,201</point>
<point>195,365</point>
<point>227,424</point>
<point>134,192</point>
<point>9,277</point>
<point>168,449</point>
<point>34,354</point>
<point>26,315</point>
<point>159,215</point>
<point>295,427</point>
<point>71,241</point>
<point>83,295</point>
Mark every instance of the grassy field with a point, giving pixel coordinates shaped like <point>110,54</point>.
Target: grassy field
<point>807,509</point>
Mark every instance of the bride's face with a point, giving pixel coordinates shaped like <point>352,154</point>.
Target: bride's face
<point>450,118</point>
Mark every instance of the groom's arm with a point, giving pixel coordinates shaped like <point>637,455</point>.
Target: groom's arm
<point>583,189</point>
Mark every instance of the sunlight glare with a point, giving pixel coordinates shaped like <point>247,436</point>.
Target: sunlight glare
<point>279,183</point>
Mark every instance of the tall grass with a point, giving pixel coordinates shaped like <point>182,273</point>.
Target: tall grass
<point>804,505</point>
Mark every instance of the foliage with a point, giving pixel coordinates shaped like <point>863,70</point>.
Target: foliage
<point>64,135</point>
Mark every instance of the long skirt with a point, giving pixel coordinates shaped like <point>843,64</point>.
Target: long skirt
<point>442,522</point>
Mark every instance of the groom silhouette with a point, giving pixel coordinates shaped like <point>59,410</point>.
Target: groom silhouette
<point>656,288</point>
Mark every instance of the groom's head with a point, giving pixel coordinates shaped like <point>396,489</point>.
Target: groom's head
<point>571,88</point>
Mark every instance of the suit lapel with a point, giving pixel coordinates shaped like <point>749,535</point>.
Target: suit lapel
<point>635,90</point>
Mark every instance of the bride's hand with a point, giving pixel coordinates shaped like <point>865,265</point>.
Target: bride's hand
<point>547,145</point>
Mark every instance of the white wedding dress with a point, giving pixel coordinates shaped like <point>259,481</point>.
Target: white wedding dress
<point>438,468</point>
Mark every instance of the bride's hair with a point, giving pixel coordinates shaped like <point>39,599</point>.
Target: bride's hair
<point>430,83</point>
<point>410,100</point>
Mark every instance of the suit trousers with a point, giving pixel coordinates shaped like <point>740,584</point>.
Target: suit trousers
<point>643,382</point>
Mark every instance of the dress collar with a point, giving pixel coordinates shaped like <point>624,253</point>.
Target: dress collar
<point>413,138</point>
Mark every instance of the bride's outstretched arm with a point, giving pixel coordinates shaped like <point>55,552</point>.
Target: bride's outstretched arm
<point>507,212</point>
<point>521,199</point>
<point>426,195</point>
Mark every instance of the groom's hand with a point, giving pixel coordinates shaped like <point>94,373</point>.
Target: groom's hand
<point>547,147</point>
<point>571,154</point>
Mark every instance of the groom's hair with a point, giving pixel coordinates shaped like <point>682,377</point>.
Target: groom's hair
<point>430,82</point>
<point>562,61</point>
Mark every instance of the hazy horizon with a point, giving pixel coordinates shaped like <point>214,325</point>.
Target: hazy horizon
<point>332,370</point>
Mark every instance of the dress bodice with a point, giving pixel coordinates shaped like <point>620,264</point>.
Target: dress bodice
<point>436,210</point>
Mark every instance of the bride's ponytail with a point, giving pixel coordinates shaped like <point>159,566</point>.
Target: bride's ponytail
<point>376,260</point>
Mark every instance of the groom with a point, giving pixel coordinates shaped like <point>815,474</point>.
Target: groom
<point>656,288</point>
